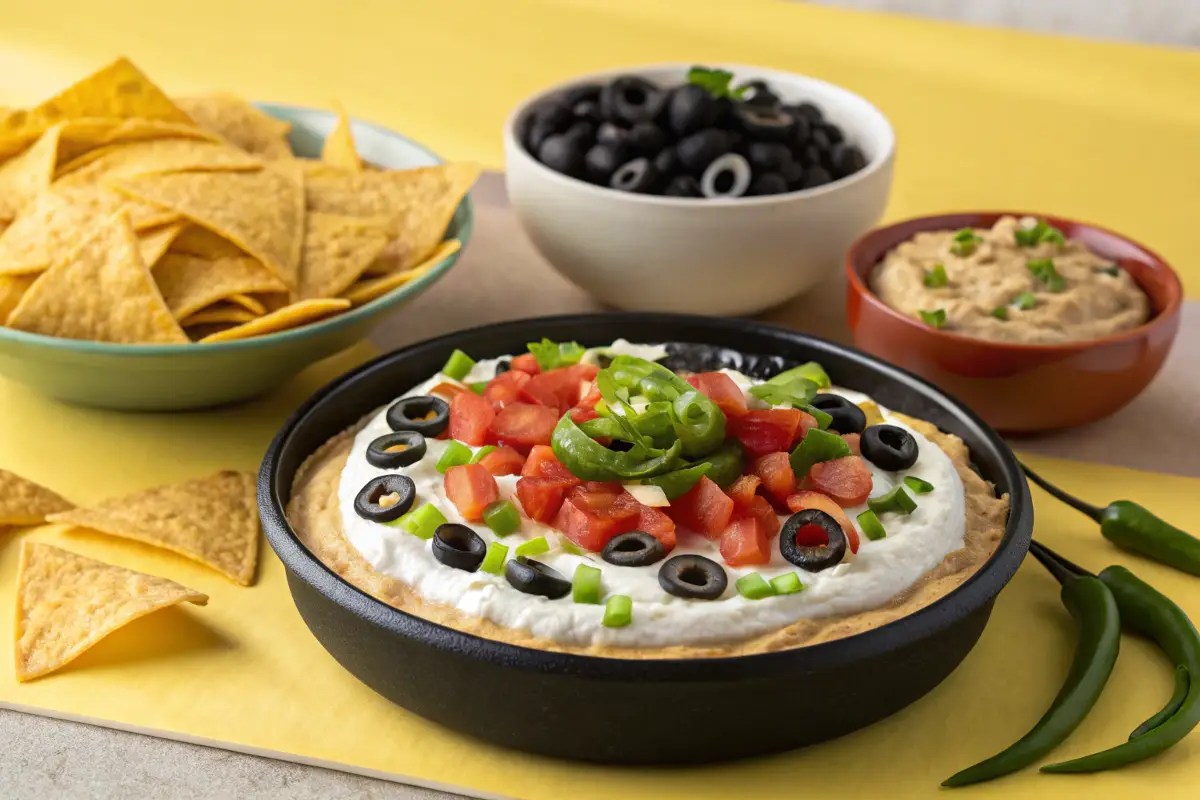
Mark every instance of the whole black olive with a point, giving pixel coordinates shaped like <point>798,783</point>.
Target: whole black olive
<point>758,93</point>
<point>385,498</point>
<point>765,124</point>
<point>556,113</point>
<point>820,139</point>
<point>667,162</point>
<point>700,149</point>
<point>801,131</point>
<point>633,549</point>
<point>846,159</point>
<point>423,413</point>
<point>768,183</point>
<point>726,177</point>
<point>587,110</point>
<point>691,108</point>
<point>562,153</point>
<point>809,110</point>
<point>768,156</point>
<point>847,417</point>
<point>646,138</point>
<point>583,133</point>
<point>889,447</point>
<point>724,116</point>
<point>456,545</point>
<point>807,525</point>
<point>833,133</point>
<point>793,173</point>
<point>631,99</point>
<point>817,176</point>
<point>502,366</point>
<point>399,449</point>
<point>638,176</point>
<point>693,577</point>
<point>584,93</point>
<point>601,161</point>
<point>809,156</point>
<point>533,577</point>
<point>612,133</point>
<point>683,186</point>
<point>538,131</point>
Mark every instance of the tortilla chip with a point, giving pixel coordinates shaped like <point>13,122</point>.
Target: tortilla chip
<point>219,314</point>
<point>58,221</point>
<point>12,289</point>
<point>212,520</point>
<point>23,502</point>
<point>190,284</point>
<point>240,123</point>
<point>420,202</point>
<point>197,241</point>
<point>336,251</point>
<point>24,177</point>
<point>339,147</point>
<point>261,212</point>
<point>118,91</point>
<point>101,292</point>
<point>365,291</point>
<point>81,135</point>
<point>66,603</point>
<point>251,304</point>
<point>292,316</point>
<point>129,160</point>
<point>154,243</point>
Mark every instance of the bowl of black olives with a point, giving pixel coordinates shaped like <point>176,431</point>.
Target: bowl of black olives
<point>716,190</point>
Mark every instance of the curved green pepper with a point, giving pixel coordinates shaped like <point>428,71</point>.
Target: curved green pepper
<point>725,463</point>
<point>680,481</point>
<point>698,422</point>
<point>591,461</point>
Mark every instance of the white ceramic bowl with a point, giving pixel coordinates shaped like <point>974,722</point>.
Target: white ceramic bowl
<point>732,257</point>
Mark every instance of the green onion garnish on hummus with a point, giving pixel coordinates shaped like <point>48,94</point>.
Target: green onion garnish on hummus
<point>936,277</point>
<point>1000,312</point>
<point>1025,301</point>
<point>934,319</point>
<point>1038,233</point>
<point>1043,269</point>
<point>965,242</point>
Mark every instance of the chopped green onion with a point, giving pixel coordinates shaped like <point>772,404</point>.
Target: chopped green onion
<point>1025,301</point>
<point>618,612</point>
<point>936,278</point>
<point>458,365</point>
<point>1041,232</point>
<point>1112,271</point>
<point>796,393</point>
<point>965,242</point>
<point>1052,234</point>
<point>872,528</point>
<point>493,560</point>
<point>816,446</point>
<point>934,319</point>
<point>481,452</point>
<point>502,517</point>
<point>809,371</point>
<point>422,521</point>
<point>896,500</point>
<point>585,586</point>
<point>455,454</point>
<point>551,355</point>
<point>788,583</point>
<point>824,418</point>
<point>477,387</point>
<point>1043,269</point>
<point>754,587</point>
<point>534,547</point>
<point>917,485</point>
<point>1000,312</point>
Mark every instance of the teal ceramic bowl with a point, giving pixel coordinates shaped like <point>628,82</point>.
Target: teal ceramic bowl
<point>177,377</point>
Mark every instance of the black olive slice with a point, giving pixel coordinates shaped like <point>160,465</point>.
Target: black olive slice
<point>631,99</point>
<point>456,545</point>
<point>765,124</point>
<point>847,417</point>
<point>889,447</point>
<point>697,151</point>
<point>693,577</point>
<point>809,111</point>
<point>768,183</point>
<point>728,176</point>
<point>638,176</point>
<point>812,558</point>
<point>586,110</point>
<point>667,162</point>
<point>817,176</point>
<point>633,549</point>
<point>399,449</point>
<point>385,498</point>
<point>846,159</point>
<point>601,161</point>
<point>768,156</point>
<point>563,153</point>
<point>425,414</point>
<point>757,93</point>
<point>502,366</point>
<point>533,577</point>
<point>611,133</point>
<point>683,186</point>
<point>691,108</point>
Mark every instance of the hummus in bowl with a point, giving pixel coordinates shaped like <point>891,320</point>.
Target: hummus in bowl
<point>1020,281</point>
<point>510,499</point>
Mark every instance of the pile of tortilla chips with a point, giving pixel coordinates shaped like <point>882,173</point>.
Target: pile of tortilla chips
<point>128,216</point>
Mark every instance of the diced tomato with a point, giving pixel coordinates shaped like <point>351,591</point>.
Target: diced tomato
<point>585,374</point>
<point>768,430</point>
<point>720,388</point>
<point>471,488</point>
<point>559,388</point>
<point>591,396</point>
<point>541,497</point>
<point>503,461</point>
<point>523,425</point>
<point>847,480</point>
<point>852,441</point>
<point>705,508</point>
<point>447,390</point>
<point>762,510</point>
<point>470,416</point>
<point>656,523</point>
<point>542,463</point>
<point>581,414</point>
<point>744,543</point>
<point>506,387</point>
<point>802,500</point>
<point>526,363</point>
<point>778,479</point>
<point>742,492</point>
<point>590,517</point>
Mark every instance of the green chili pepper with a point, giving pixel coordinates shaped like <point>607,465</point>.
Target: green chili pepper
<point>679,482</point>
<point>1094,609</point>
<point>1133,527</point>
<point>591,461</point>
<point>1182,687</point>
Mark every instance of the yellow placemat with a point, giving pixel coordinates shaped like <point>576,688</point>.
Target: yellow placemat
<point>244,671</point>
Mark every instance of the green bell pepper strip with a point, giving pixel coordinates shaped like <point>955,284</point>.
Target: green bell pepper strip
<point>589,460</point>
<point>823,418</point>
<point>699,423</point>
<point>896,500</point>
<point>655,422</point>
<point>809,371</point>
<point>798,392</point>
<point>680,481</point>
<point>817,446</point>
<point>552,355</point>
<point>724,464</point>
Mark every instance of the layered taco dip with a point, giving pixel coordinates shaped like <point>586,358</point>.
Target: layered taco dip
<point>599,501</point>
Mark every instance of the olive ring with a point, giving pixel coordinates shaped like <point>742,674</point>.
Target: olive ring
<point>889,447</point>
<point>456,545</point>
<point>533,577</point>
<point>425,414</point>
<point>633,549</point>
<point>399,449</point>
<point>846,416</point>
<point>813,558</point>
<point>368,502</point>
<point>693,577</point>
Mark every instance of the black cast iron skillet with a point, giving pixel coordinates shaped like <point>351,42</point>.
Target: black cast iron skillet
<point>650,711</point>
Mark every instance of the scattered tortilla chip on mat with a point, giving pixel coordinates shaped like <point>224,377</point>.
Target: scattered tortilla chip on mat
<point>102,292</point>
<point>336,251</point>
<point>283,319</point>
<point>212,520</point>
<point>240,123</point>
<point>23,502</point>
<point>189,283</point>
<point>24,177</point>
<point>339,149</point>
<point>66,603</point>
<point>367,290</point>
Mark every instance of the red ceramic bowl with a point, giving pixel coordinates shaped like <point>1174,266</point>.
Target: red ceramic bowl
<point>1020,388</point>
